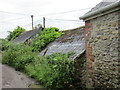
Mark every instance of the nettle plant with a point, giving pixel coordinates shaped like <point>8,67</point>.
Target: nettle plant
<point>47,35</point>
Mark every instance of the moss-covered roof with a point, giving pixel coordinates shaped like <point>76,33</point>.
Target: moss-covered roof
<point>71,41</point>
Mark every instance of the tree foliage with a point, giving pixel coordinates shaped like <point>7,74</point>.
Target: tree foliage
<point>15,33</point>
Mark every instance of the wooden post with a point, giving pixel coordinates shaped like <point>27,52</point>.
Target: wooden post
<point>43,22</point>
<point>32,21</point>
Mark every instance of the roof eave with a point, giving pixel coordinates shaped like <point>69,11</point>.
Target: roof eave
<point>116,4</point>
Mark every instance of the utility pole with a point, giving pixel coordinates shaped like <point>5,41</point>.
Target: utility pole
<point>32,21</point>
<point>43,22</point>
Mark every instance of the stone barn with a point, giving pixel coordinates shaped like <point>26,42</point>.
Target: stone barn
<point>102,31</point>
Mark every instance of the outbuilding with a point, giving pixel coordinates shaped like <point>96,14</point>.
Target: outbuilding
<point>102,32</point>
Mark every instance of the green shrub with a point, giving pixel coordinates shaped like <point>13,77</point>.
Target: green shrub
<point>47,35</point>
<point>54,71</point>
<point>12,35</point>
<point>18,55</point>
<point>5,44</point>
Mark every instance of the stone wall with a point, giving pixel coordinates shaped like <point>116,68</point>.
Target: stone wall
<point>102,51</point>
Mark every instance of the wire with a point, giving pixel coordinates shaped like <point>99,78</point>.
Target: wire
<point>52,20</point>
<point>42,15</point>
<point>48,14</point>
<point>26,25</point>
<point>14,13</point>
<point>45,14</point>
<point>62,12</point>
<point>31,23</point>
<point>14,19</point>
<point>65,20</point>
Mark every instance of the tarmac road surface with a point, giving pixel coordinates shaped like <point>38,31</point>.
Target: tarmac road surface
<point>14,79</point>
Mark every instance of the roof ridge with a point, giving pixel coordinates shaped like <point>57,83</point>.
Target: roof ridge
<point>105,6</point>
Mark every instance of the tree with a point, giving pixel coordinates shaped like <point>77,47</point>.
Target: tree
<point>15,33</point>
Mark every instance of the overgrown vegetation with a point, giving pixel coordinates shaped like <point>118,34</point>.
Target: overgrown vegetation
<point>47,35</point>
<point>15,33</point>
<point>53,71</point>
<point>17,55</point>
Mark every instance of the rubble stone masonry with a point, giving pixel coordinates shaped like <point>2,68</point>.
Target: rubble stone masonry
<point>102,51</point>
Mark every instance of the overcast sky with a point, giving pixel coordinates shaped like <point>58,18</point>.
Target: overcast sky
<point>17,13</point>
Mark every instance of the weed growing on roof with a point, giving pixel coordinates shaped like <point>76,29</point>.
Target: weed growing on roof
<point>47,35</point>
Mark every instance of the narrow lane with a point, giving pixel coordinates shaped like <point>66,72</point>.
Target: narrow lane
<point>14,79</point>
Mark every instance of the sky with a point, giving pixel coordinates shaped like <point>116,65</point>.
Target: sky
<point>63,14</point>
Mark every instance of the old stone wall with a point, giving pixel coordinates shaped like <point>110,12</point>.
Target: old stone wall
<point>102,40</point>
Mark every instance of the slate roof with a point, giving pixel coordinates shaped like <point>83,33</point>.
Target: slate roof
<point>72,40</point>
<point>27,35</point>
<point>100,6</point>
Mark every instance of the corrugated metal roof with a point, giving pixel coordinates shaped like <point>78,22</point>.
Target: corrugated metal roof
<point>27,35</point>
<point>71,41</point>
